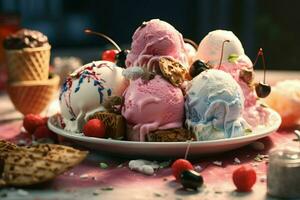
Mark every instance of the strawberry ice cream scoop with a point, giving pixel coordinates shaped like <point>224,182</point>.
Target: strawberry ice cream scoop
<point>152,40</point>
<point>155,104</point>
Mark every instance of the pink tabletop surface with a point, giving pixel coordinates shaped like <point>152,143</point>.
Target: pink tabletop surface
<point>119,182</point>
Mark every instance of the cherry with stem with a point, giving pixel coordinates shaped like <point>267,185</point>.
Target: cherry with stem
<point>119,57</point>
<point>262,88</point>
<point>222,51</point>
<point>90,32</point>
<point>191,42</point>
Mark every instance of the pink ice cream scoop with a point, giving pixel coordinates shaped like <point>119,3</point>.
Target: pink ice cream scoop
<point>152,105</point>
<point>241,69</point>
<point>152,40</point>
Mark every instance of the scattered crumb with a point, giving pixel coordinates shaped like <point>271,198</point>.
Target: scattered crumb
<point>257,159</point>
<point>103,165</point>
<point>164,164</point>
<point>83,176</point>
<point>157,194</point>
<point>165,179</point>
<point>22,142</point>
<point>198,168</point>
<point>23,130</point>
<point>107,189</point>
<point>236,160</point>
<point>148,170</point>
<point>260,158</point>
<point>263,179</point>
<point>218,163</point>
<point>22,192</point>
<point>96,192</point>
<point>120,165</point>
<point>71,174</point>
<point>217,190</point>
<point>254,164</point>
<point>143,166</point>
<point>94,178</point>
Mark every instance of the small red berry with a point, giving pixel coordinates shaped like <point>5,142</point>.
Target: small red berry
<point>44,132</point>
<point>32,121</point>
<point>94,128</point>
<point>109,55</point>
<point>244,178</point>
<point>180,165</point>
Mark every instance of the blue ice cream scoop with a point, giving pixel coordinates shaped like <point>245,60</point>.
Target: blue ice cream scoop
<point>214,104</point>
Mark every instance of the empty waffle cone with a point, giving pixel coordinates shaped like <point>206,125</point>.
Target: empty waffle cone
<point>28,64</point>
<point>33,96</point>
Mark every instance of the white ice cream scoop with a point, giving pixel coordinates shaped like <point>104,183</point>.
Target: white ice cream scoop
<point>210,47</point>
<point>86,89</point>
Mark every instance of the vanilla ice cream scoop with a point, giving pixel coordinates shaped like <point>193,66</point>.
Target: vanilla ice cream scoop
<point>210,47</point>
<point>214,105</point>
<point>86,89</point>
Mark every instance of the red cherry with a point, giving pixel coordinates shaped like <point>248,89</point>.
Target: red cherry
<point>244,178</point>
<point>180,165</point>
<point>32,121</point>
<point>109,55</point>
<point>44,132</point>
<point>94,128</point>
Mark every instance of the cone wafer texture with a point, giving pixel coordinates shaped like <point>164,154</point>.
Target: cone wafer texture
<point>28,64</point>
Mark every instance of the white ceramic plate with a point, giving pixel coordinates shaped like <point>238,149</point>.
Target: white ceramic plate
<point>168,149</point>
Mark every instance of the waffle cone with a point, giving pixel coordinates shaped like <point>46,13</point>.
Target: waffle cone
<point>28,64</point>
<point>32,96</point>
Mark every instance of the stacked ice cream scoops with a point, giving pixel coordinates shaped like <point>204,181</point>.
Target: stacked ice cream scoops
<point>158,97</point>
<point>28,57</point>
<point>238,65</point>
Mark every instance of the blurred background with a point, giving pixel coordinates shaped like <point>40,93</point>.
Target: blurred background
<point>272,25</point>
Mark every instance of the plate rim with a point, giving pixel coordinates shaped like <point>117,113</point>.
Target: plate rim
<point>261,133</point>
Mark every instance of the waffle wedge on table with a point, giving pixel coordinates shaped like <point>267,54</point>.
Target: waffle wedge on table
<point>23,166</point>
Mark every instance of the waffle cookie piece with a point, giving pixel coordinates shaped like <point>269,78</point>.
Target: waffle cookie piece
<point>172,70</point>
<point>23,166</point>
<point>170,135</point>
<point>7,146</point>
<point>115,124</point>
